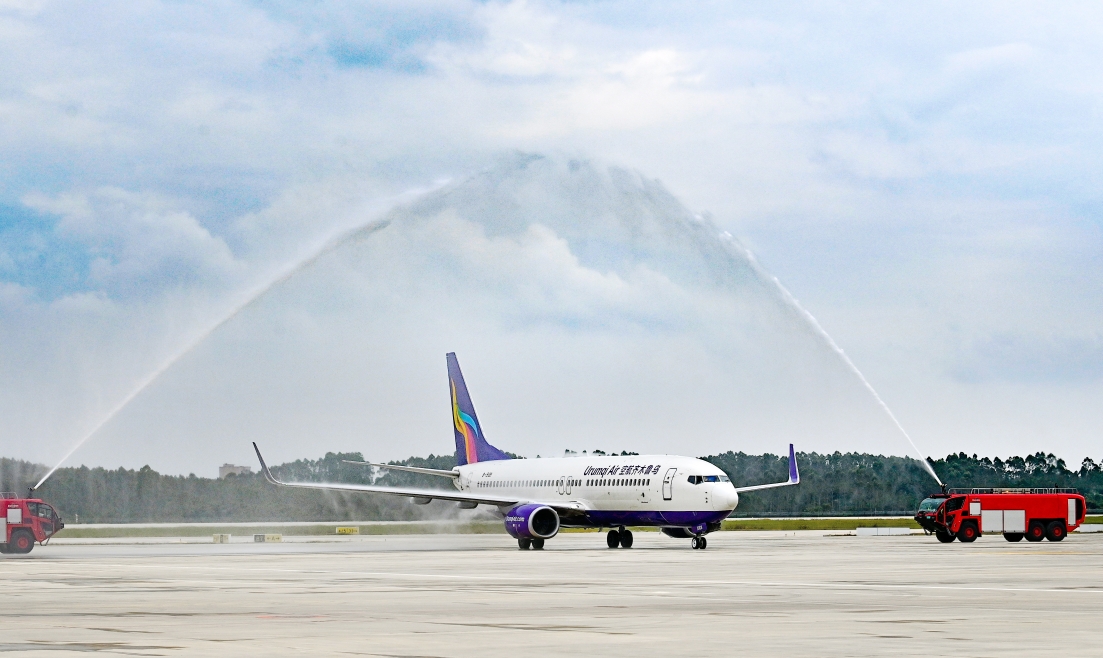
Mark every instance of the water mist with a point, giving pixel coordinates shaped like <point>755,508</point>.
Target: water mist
<point>814,324</point>
<point>247,299</point>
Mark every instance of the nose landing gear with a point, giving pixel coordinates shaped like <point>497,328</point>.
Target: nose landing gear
<point>698,543</point>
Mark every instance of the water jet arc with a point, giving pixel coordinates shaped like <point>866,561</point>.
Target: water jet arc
<point>247,299</point>
<point>814,324</point>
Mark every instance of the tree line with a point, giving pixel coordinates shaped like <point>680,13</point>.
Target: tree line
<point>864,484</point>
<point>831,484</point>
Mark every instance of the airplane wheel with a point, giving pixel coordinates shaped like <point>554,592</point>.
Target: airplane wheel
<point>537,544</point>
<point>524,544</point>
<point>612,540</point>
<point>695,543</point>
<point>704,543</point>
<point>626,539</point>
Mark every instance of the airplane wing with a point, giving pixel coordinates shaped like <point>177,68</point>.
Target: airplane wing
<point>410,469</point>
<point>794,476</point>
<point>419,495</point>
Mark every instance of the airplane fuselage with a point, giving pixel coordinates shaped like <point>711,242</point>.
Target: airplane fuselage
<point>609,491</point>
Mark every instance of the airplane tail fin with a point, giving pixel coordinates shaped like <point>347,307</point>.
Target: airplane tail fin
<point>471,445</point>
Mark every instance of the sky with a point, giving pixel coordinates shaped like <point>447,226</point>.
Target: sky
<point>924,179</point>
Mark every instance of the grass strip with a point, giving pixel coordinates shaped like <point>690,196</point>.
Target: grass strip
<point>817,524</point>
<point>321,529</point>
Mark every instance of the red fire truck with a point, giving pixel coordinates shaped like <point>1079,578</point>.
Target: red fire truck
<point>1035,514</point>
<point>25,521</point>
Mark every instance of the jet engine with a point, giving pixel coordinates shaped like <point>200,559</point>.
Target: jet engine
<point>532,522</point>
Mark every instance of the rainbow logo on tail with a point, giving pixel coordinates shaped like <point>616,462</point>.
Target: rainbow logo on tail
<point>471,446</point>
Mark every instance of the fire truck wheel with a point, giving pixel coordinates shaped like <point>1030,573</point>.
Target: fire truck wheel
<point>21,542</point>
<point>968,532</point>
<point>4,548</point>
<point>1013,536</point>
<point>1056,531</point>
<point>944,537</point>
<point>1036,531</point>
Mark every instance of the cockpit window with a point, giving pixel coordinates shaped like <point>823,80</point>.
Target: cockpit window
<point>698,479</point>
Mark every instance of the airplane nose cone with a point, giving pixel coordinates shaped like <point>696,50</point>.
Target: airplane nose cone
<point>727,497</point>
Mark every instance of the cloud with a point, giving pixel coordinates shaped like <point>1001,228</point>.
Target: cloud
<point>1013,357</point>
<point>140,243</point>
<point>921,184</point>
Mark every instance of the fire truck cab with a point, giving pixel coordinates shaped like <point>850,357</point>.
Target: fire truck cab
<point>25,521</point>
<point>1034,514</point>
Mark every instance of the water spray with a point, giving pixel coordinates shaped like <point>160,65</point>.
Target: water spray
<point>247,299</point>
<point>826,337</point>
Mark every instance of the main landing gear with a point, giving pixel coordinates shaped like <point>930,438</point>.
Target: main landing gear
<point>535,544</point>
<point>698,543</point>
<point>622,538</point>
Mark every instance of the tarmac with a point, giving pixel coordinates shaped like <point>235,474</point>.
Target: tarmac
<point>748,593</point>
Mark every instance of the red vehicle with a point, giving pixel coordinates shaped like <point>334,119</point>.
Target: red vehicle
<point>25,521</point>
<point>1035,514</point>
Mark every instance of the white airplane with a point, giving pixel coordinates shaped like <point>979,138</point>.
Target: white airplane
<point>684,497</point>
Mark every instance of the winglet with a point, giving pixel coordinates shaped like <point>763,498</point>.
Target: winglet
<point>794,474</point>
<point>264,467</point>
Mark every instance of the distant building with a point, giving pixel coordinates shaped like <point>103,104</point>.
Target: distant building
<point>230,469</point>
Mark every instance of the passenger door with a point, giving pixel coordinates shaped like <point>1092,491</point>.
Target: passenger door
<point>668,483</point>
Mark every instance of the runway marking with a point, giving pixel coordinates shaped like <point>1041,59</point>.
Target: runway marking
<point>965,588</point>
<point>490,578</point>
